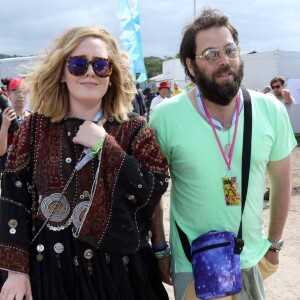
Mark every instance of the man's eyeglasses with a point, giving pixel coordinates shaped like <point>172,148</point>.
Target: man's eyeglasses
<point>78,66</point>
<point>275,86</point>
<point>213,55</point>
<point>21,92</point>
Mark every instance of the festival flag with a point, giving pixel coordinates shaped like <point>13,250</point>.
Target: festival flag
<point>131,37</point>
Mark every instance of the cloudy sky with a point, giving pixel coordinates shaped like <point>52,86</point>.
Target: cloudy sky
<point>27,26</point>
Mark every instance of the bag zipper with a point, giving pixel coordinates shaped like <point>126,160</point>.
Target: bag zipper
<point>211,247</point>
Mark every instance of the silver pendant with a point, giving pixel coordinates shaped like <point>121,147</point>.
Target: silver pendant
<point>79,213</point>
<point>56,209</point>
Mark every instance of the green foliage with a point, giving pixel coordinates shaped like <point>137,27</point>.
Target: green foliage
<point>7,56</point>
<point>153,66</point>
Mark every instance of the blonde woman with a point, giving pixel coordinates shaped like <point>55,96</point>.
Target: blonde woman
<point>82,181</point>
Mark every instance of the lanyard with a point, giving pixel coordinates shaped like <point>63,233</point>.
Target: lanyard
<point>227,161</point>
<point>98,116</point>
<point>216,122</point>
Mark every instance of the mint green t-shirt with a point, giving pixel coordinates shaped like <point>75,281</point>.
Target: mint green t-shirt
<point>197,168</point>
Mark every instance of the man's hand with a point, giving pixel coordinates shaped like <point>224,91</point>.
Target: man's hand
<point>272,257</point>
<point>164,268</point>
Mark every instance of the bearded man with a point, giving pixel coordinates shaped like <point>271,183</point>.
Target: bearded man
<point>201,133</point>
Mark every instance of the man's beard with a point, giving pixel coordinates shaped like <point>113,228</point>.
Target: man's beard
<point>221,94</point>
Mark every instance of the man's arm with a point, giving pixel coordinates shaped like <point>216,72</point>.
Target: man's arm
<point>286,95</point>
<point>280,195</point>
<point>158,237</point>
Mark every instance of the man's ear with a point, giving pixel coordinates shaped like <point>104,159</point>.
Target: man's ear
<point>189,65</point>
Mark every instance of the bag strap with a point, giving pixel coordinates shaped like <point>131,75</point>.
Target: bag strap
<point>247,139</point>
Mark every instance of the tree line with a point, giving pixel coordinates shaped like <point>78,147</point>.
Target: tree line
<point>153,64</point>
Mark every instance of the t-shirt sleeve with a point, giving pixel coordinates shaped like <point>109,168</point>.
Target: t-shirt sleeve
<point>156,122</point>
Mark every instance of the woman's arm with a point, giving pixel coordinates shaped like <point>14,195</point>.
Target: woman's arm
<point>15,205</point>
<point>17,286</point>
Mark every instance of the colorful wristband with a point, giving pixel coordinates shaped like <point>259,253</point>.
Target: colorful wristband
<point>160,246</point>
<point>163,254</point>
<point>96,149</point>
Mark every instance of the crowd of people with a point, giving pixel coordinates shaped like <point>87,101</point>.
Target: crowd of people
<point>83,172</point>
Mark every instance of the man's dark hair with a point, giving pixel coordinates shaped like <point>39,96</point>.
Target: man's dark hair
<point>146,91</point>
<point>277,78</point>
<point>209,18</point>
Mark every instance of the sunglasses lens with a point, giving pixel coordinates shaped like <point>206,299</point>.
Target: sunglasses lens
<point>211,55</point>
<point>275,87</point>
<point>77,66</point>
<point>231,51</point>
<point>102,67</point>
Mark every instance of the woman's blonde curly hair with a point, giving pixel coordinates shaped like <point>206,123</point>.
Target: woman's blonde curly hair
<point>50,96</point>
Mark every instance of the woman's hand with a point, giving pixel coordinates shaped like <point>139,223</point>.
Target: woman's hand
<point>90,133</point>
<point>7,116</point>
<point>16,287</point>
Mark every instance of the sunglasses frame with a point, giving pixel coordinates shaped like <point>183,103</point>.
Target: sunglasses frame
<point>277,86</point>
<point>205,53</point>
<point>19,92</point>
<point>89,62</point>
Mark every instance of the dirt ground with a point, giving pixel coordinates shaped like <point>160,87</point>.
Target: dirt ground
<point>285,283</point>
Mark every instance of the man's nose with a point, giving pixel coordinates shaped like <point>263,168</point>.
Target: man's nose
<point>223,58</point>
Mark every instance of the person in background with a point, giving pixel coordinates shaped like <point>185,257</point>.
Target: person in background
<point>201,133</point>
<point>138,103</point>
<point>163,89</point>
<point>282,94</point>
<point>177,90</point>
<point>148,99</point>
<point>268,91</point>
<point>12,114</point>
<point>82,181</point>
<point>3,89</point>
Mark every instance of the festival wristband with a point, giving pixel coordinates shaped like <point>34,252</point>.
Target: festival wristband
<point>160,246</point>
<point>162,254</point>
<point>96,149</point>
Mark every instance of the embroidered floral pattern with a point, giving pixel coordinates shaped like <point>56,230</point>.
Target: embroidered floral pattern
<point>55,156</point>
<point>14,259</point>
<point>18,153</point>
